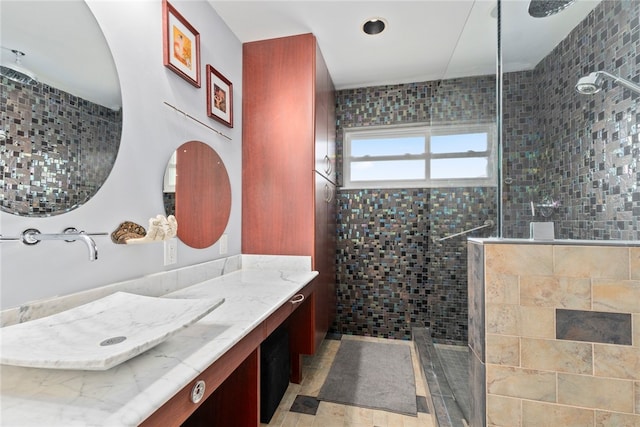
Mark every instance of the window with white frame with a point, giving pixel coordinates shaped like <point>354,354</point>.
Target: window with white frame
<point>420,156</point>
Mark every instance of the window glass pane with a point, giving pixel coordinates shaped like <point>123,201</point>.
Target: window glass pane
<point>459,143</point>
<point>387,146</point>
<point>388,170</point>
<point>467,167</point>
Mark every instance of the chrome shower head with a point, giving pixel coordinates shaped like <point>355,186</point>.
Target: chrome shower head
<point>588,85</point>
<point>544,8</point>
<point>16,72</point>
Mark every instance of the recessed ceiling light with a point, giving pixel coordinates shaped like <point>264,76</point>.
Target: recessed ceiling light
<point>374,26</point>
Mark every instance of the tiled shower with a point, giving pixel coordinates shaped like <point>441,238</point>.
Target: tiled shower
<point>581,151</point>
<point>392,272</point>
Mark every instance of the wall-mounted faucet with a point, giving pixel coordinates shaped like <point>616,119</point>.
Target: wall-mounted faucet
<point>546,208</point>
<point>32,236</point>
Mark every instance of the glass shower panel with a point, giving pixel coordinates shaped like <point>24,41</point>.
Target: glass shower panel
<point>569,157</point>
<point>466,97</point>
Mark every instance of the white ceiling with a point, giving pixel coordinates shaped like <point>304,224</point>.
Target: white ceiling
<point>424,40</point>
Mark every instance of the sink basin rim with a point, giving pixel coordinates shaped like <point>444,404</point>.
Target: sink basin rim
<point>50,342</point>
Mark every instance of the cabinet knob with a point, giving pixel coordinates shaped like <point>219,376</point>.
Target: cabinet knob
<point>297,299</point>
<point>197,392</point>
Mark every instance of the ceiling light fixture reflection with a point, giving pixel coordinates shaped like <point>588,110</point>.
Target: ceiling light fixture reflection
<point>374,26</point>
<point>16,72</point>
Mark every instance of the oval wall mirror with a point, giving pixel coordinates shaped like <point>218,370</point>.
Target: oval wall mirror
<point>61,124</point>
<point>197,191</point>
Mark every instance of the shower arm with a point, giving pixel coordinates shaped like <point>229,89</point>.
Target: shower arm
<point>487,223</point>
<point>622,82</point>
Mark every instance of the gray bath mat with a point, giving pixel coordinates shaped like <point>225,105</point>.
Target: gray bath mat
<point>372,375</point>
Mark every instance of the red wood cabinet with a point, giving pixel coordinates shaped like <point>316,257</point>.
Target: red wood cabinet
<point>288,149</point>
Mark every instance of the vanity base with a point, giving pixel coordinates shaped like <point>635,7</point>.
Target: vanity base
<point>232,393</point>
<point>235,402</point>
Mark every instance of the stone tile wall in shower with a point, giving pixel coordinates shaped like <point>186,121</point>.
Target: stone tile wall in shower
<point>560,330</point>
<point>59,149</point>
<point>391,270</point>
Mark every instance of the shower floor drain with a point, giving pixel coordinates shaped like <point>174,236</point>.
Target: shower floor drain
<point>112,341</point>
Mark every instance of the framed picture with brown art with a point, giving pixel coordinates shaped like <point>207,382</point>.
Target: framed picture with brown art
<point>219,97</point>
<point>181,44</point>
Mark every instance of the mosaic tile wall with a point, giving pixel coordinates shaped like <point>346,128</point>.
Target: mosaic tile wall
<point>581,150</point>
<point>383,261</point>
<point>59,149</point>
<point>391,271</point>
<point>521,153</point>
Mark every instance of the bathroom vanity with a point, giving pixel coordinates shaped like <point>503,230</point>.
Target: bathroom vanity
<point>209,373</point>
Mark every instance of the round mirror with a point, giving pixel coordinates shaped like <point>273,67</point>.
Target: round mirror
<point>61,115</point>
<point>197,191</point>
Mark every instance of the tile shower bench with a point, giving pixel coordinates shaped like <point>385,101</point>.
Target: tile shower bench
<point>155,388</point>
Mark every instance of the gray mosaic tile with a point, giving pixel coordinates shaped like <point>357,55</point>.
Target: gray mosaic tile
<point>581,151</point>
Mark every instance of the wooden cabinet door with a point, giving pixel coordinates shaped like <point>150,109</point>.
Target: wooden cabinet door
<point>331,131</point>
<point>325,121</point>
<point>330,254</point>
<point>278,146</point>
<point>325,255</point>
<point>288,160</point>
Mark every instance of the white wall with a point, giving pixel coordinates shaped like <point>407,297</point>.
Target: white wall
<point>151,132</point>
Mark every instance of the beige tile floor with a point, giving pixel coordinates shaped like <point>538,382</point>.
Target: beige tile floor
<point>329,414</point>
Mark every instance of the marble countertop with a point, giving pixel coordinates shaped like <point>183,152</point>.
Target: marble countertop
<point>127,394</point>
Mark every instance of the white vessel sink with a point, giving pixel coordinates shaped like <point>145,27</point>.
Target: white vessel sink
<point>100,334</point>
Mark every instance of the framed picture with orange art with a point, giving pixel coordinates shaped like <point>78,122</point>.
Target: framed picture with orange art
<point>181,44</point>
<point>219,97</point>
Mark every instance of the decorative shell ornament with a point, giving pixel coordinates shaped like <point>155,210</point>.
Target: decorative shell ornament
<point>160,229</point>
<point>127,230</point>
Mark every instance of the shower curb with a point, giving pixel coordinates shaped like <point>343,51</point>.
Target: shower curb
<point>441,403</point>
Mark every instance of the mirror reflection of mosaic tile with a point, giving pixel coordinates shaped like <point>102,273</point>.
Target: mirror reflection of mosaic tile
<point>59,149</point>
